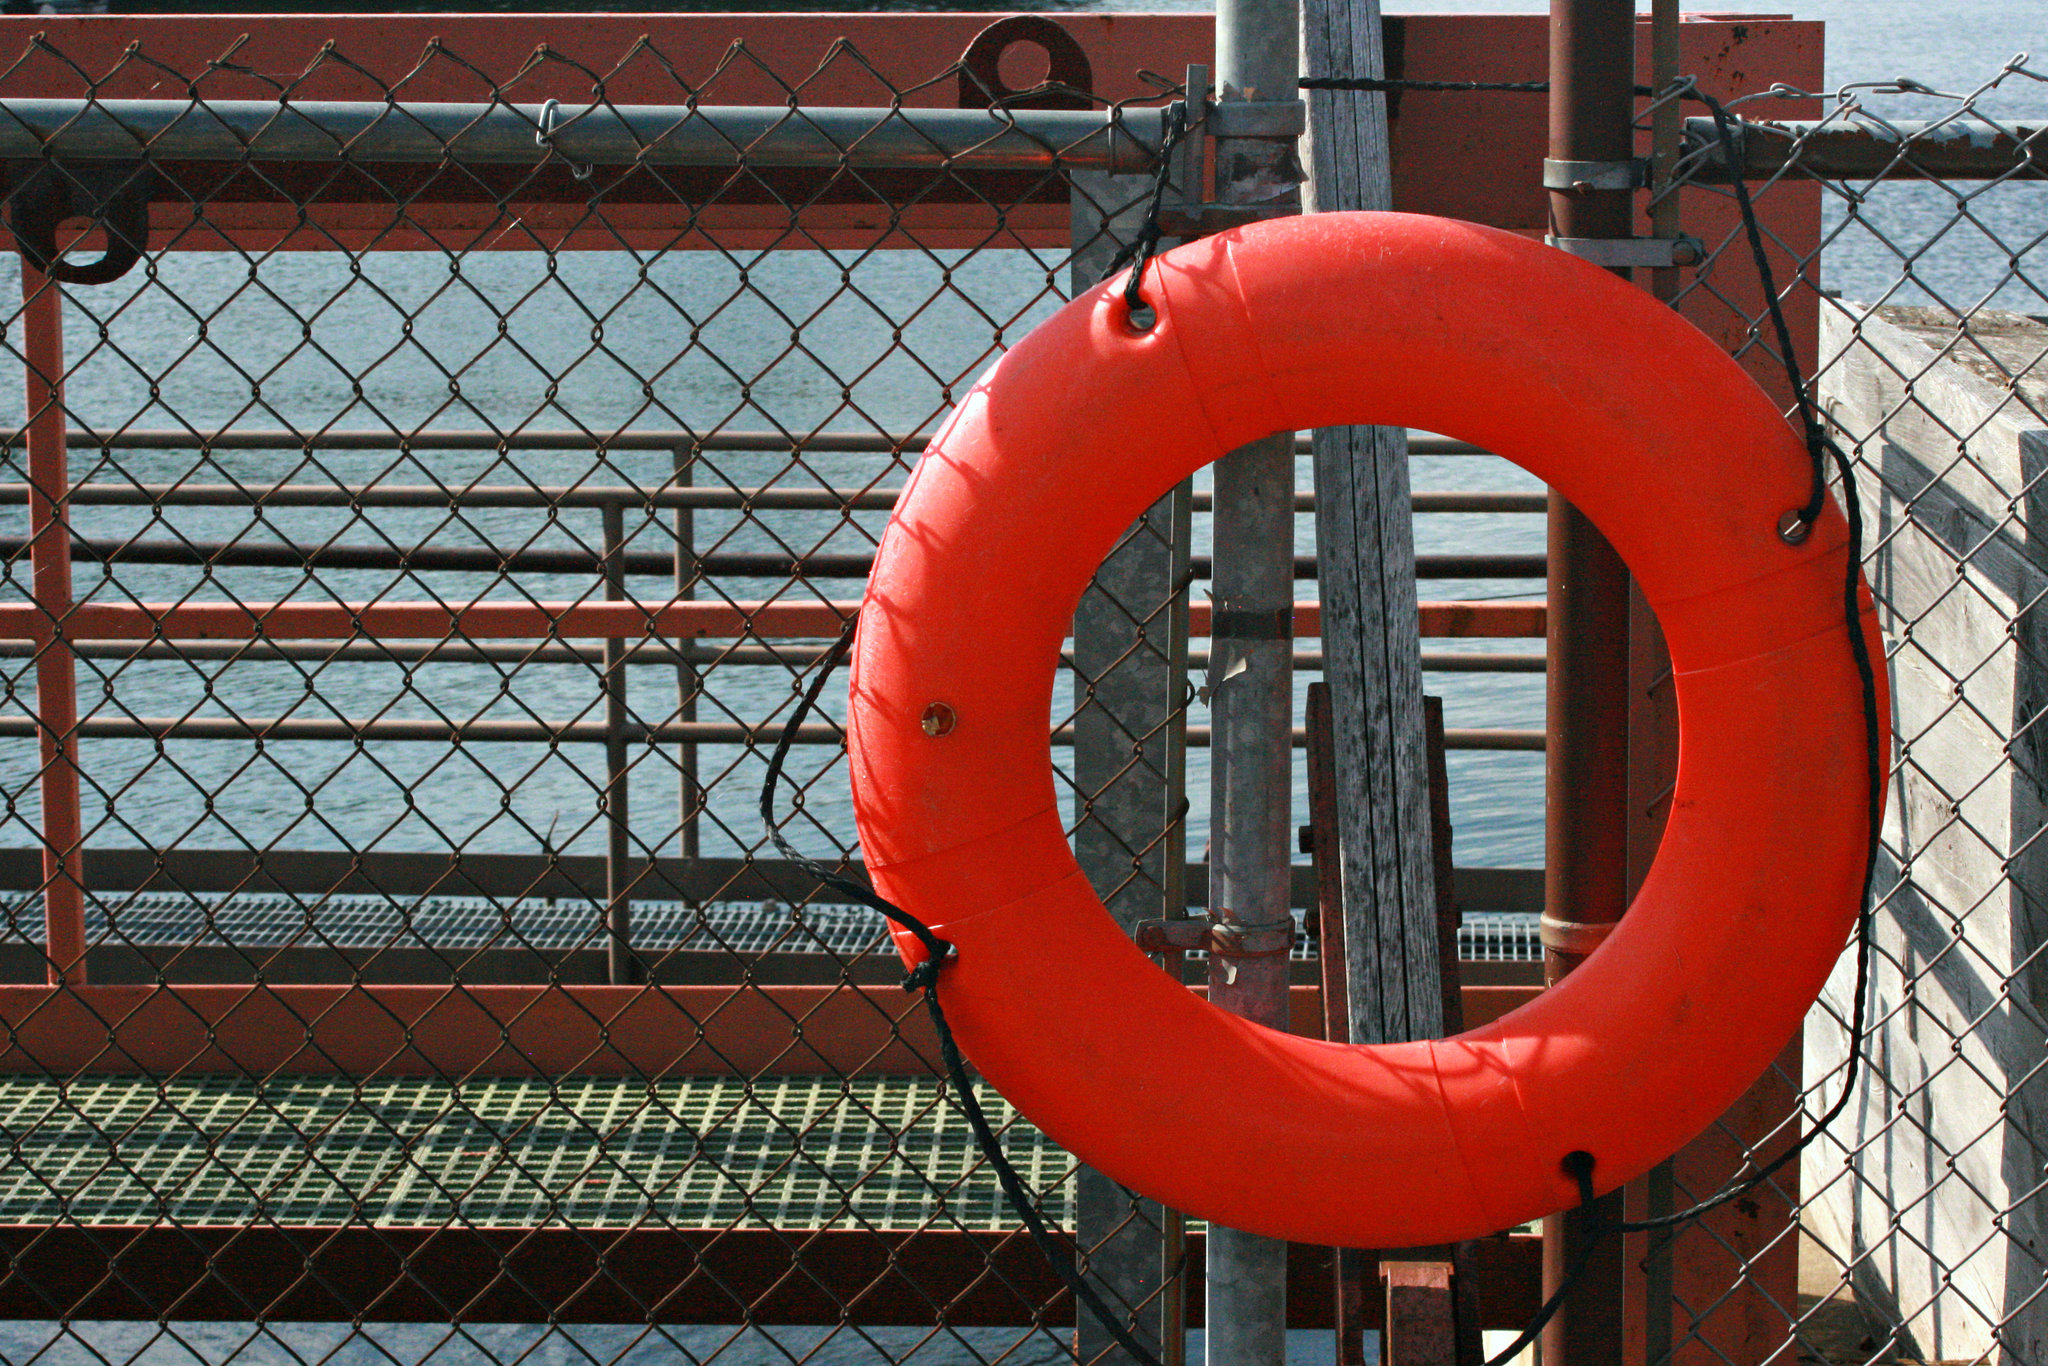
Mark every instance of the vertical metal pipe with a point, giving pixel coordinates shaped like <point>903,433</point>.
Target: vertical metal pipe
<point>1251,701</point>
<point>1125,685</point>
<point>1592,105</point>
<point>1173,1239</point>
<point>622,967</point>
<point>1251,673</point>
<point>1653,717</point>
<point>691,794</point>
<point>49,481</point>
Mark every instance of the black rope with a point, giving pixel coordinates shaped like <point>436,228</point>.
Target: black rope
<point>1139,251</point>
<point>1822,451</point>
<point>925,978</point>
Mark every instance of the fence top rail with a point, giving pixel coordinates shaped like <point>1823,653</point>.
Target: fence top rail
<point>848,443</point>
<point>124,494</point>
<point>1871,149</point>
<point>1123,141</point>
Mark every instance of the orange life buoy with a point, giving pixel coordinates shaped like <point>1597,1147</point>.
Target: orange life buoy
<point>1643,423</point>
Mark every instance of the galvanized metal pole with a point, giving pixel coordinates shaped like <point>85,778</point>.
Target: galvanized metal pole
<point>1128,736</point>
<point>1592,106</point>
<point>1251,681</point>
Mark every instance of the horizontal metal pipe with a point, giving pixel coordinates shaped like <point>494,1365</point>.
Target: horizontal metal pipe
<point>566,560</point>
<point>601,496</point>
<point>328,131</point>
<point>664,653</point>
<point>1838,149</point>
<point>430,730</point>
<point>167,439</point>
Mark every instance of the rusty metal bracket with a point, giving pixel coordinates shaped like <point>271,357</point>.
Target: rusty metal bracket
<point>1257,119</point>
<point>115,195</point>
<point>1187,212</point>
<point>1222,938</point>
<point>1583,177</point>
<point>1421,1319</point>
<point>1573,937</point>
<point>1633,253</point>
<point>1069,79</point>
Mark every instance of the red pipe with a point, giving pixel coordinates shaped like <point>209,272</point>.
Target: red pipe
<point>49,478</point>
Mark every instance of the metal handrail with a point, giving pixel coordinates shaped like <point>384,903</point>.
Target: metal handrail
<point>1119,141</point>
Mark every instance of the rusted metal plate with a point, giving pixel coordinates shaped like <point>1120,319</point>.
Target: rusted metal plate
<point>1420,1327</point>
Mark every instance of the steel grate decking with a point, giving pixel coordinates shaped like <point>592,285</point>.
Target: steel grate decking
<point>275,920</point>
<point>788,1153</point>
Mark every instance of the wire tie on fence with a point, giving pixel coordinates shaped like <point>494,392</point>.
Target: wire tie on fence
<point>544,136</point>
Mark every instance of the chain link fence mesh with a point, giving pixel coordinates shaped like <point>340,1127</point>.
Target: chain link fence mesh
<point>1913,1222</point>
<point>412,556</point>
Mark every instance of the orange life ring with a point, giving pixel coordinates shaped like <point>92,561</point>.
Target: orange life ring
<point>1642,422</point>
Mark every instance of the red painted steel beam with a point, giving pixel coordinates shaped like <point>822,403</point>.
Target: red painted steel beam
<point>502,1030</point>
<point>49,480</point>
<point>592,620</point>
<point>616,1275</point>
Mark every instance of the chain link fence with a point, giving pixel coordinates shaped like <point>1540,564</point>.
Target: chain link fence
<point>1911,1231</point>
<point>440,473</point>
<point>444,463</point>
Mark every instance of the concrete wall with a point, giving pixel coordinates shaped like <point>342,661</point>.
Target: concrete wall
<point>1928,1187</point>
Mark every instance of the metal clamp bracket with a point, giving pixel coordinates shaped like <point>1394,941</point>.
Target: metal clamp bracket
<point>1583,177</point>
<point>1257,119</point>
<point>1571,936</point>
<point>1184,212</point>
<point>1633,253</point>
<point>1221,938</point>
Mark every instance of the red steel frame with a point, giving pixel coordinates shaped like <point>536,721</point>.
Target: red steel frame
<point>1462,155</point>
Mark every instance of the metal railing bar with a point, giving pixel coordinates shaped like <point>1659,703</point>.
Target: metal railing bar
<point>1869,149</point>
<point>662,653</point>
<point>434,730</point>
<point>1121,142</point>
<point>551,560</point>
<point>317,875</point>
<point>599,496</point>
<point>843,443</point>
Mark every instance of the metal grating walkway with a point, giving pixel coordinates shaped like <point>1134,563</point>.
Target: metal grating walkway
<point>273,920</point>
<point>788,1153</point>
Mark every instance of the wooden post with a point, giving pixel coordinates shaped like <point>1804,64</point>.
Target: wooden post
<point>1365,556</point>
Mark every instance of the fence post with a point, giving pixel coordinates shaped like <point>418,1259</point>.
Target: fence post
<point>49,485</point>
<point>1127,719</point>
<point>621,966</point>
<point>1251,682</point>
<point>1585,854</point>
<point>691,794</point>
